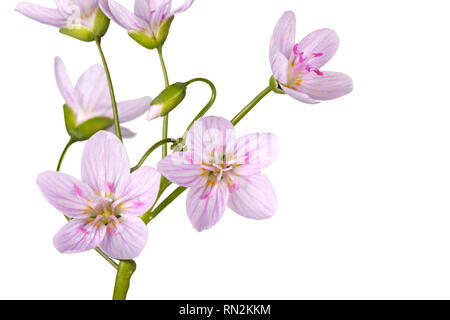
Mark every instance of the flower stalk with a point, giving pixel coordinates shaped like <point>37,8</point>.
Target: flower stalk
<point>111,91</point>
<point>124,272</point>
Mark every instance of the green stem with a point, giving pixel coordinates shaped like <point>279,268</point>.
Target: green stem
<point>111,90</point>
<point>149,151</point>
<point>210,102</point>
<point>105,256</point>
<point>61,159</point>
<point>250,106</point>
<point>152,213</point>
<point>124,272</point>
<point>166,118</point>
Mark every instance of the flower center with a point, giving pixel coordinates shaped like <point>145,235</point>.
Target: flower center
<point>220,169</point>
<point>299,65</point>
<point>106,210</point>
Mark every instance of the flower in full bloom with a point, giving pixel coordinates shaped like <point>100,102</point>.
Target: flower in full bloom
<point>150,23</point>
<point>296,66</point>
<point>222,170</point>
<point>105,205</point>
<point>90,100</point>
<point>81,19</point>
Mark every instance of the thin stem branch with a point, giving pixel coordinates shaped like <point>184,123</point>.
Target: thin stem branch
<point>250,106</point>
<point>107,258</point>
<point>149,151</point>
<point>61,159</point>
<point>149,216</point>
<point>111,90</point>
<point>166,118</point>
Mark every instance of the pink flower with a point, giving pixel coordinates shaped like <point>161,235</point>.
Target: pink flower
<point>81,19</point>
<point>90,98</point>
<point>297,66</point>
<point>222,170</point>
<point>146,23</point>
<point>105,206</point>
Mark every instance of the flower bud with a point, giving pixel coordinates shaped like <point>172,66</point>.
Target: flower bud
<point>167,100</point>
<point>150,41</point>
<point>86,129</point>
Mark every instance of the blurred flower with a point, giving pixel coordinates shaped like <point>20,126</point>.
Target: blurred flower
<point>90,99</point>
<point>296,67</point>
<point>105,206</point>
<point>80,19</point>
<point>150,23</point>
<point>222,170</point>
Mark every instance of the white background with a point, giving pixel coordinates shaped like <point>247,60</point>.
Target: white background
<point>363,182</point>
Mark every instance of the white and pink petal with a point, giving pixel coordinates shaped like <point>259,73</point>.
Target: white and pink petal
<point>131,109</point>
<point>139,194</point>
<point>209,133</point>
<point>67,194</point>
<point>254,197</point>
<point>126,240</point>
<point>122,16</point>
<point>329,86</point>
<point>64,83</point>
<point>79,235</point>
<point>206,205</point>
<point>41,14</point>
<point>105,165</point>
<point>283,37</point>
<point>181,169</point>
<point>255,152</point>
<point>323,42</point>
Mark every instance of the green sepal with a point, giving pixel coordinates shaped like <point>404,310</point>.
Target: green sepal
<point>70,119</point>
<point>78,32</point>
<point>87,129</point>
<point>144,39</point>
<point>101,24</point>
<point>163,31</point>
<point>275,86</point>
<point>149,41</point>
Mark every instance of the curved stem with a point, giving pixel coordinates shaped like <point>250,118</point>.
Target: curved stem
<point>149,151</point>
<point>111,90</point>
<point>250,106</point>
<point>166,118</point>
<point>210,102</point>
<point>124,272</point>
<point>61,159</point>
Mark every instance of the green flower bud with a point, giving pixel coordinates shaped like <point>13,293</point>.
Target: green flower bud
<point>86,129</point>
<point>167,100</point>
<point>150,41</point>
